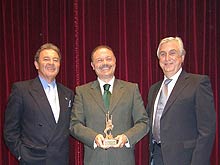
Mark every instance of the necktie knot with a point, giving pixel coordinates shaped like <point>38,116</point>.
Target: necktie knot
<point>50,89</point>
<point>167,81</point>
<point>106,87</point>
<point>50,86</point>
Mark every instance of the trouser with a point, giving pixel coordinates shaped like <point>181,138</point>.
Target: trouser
<point>157,158</point>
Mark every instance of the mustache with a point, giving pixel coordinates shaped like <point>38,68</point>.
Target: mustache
<point>51,66</point>
<point>105,66</point>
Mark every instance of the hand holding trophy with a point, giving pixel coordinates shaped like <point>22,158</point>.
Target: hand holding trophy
<point>109,141</point>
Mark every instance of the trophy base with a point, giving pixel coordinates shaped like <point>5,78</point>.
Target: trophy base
<point>110,142</point>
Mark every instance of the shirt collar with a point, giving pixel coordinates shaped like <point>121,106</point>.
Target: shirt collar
<point>45,83</point>
<point>174,77</point>
<point>111,82</point>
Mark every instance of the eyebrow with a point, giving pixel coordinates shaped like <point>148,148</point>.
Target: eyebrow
<point>173,50</point>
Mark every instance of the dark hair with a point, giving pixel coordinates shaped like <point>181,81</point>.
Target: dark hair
<point>47,46</point>
<point>100,47</point>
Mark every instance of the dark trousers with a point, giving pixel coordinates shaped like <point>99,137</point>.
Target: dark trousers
<point>157,158</point>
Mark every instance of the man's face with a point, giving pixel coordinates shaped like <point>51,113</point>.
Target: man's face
<point>48,64</point>
<point>170,59</point>
<point>104,63</point>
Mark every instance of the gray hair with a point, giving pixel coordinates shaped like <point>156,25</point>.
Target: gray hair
<point>168,39</point>
<point>47,46</point>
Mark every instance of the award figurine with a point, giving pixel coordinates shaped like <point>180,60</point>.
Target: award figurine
<point>109,140</point>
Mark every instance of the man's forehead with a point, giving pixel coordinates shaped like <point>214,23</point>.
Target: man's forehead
<point>103,51</point>
<point>169,45</point>
<point>48,51</point>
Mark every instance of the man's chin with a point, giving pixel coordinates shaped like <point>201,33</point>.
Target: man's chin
<point>106,76</point>
<point>52,74</point>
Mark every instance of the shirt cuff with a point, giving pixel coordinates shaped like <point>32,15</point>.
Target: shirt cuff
<point>94,145</point>
<point>127,144</point>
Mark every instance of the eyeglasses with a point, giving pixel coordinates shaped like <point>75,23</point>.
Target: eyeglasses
<point>171,53</point>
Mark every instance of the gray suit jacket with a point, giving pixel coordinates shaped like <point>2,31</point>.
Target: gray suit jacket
<point>88,120</point>
<point>187,122</point>
<point>30,129</point>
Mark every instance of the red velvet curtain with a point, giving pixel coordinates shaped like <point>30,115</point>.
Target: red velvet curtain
<point>133,28</point>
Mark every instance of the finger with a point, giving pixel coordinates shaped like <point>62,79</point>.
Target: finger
<point>99,140</point>
<point>121,145</point>
<point>119,142</point>
<point>118,137</point>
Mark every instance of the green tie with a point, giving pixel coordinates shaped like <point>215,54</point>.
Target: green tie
<point>106,95</point>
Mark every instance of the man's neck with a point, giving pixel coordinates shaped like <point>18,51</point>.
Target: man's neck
<point>106,80</point>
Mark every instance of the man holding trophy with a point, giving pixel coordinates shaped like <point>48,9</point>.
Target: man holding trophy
<point>108,114</point>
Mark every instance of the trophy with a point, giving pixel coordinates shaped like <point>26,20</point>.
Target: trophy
<point>109,141</point>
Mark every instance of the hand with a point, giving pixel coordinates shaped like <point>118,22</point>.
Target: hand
<point>122,140</point>
<point>99,141</point>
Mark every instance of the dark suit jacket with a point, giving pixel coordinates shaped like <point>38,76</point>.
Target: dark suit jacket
<point>30,129</point>
<point>187,122</point>
<point>128,115</point>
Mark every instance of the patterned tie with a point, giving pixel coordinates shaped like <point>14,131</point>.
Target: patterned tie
<point>54,102</point>
<point>160,107</point>
<point>106,95</point>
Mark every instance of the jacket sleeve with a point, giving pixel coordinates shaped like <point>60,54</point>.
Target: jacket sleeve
<point>206,122</point>
<point>78,128</point>
<point>12,125</point>
<point>140,119</point>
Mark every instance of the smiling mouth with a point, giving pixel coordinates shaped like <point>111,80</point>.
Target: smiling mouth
<point>51,69</point>
<point>106,68</point>
<point>168,64</point>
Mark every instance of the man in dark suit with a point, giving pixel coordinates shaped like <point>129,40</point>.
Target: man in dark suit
<point>125,119</point>
<point>37,116</point>
<point>183,117</point>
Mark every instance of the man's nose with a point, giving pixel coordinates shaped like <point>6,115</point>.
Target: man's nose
<point>51,61</point>
<point>167,56</point>
<point>104,61</point>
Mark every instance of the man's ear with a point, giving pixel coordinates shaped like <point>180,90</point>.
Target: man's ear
<point>36,65</point>
<point>183,57</point>
<point>93,67</point>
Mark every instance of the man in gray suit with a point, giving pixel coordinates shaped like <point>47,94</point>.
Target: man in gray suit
<point>37,115</point>
<point>126,120</point>
<point>183,133</point>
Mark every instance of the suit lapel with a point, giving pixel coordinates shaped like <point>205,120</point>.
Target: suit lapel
<point>96,94</point>
<point>178,88</point>
<point>155,91</point>
<point>63,100</point>
<point>117,93</point>
<point>37,92</point>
